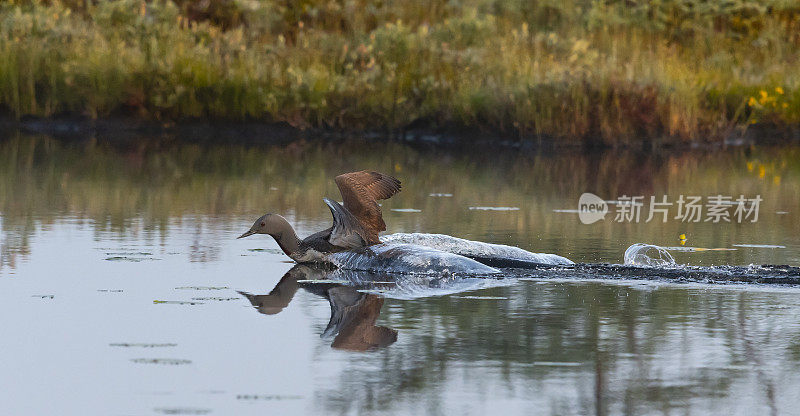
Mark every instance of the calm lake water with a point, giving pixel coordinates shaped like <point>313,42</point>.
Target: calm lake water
<point>120,281</point>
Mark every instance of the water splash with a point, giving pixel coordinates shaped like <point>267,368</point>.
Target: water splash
<point>398,285</point>
<point>475,249</point>
<point>648,255</point>
<point>415,287</point>
<point>408,259</point>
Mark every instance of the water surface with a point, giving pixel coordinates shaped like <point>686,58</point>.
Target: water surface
<point>120,281</point>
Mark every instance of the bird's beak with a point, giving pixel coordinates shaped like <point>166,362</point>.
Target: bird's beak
<point>247,234</point>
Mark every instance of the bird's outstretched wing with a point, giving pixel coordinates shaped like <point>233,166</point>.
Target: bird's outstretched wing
<point>347,231</point>
<point>361,192</point>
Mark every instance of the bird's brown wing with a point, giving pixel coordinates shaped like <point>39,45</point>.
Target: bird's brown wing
<point>361,192</point>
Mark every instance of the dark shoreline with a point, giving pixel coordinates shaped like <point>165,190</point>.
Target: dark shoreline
<point>256,133</point>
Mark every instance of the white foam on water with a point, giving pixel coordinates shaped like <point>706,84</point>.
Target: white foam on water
<point>406,210</point>
<point>640,254</point>
<point>408,259</point>
<point>471,248</point>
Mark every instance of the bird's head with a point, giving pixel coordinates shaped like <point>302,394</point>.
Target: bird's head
<point>271,224</point>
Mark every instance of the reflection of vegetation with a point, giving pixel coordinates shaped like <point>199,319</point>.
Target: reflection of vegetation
<point>625,342</point>
<point>149,185</point>
<point>616,70</point>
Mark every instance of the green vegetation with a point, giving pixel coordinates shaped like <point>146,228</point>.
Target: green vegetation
<point>576,70</point>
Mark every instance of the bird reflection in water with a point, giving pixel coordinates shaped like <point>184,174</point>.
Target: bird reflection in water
<point>353,313</point>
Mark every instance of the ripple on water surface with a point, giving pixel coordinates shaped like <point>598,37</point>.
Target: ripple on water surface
<point>161,361</point>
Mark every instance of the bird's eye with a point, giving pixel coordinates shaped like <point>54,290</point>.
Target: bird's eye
<point>263,224</point>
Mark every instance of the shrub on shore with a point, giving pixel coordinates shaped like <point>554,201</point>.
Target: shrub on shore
<point>610,71</point>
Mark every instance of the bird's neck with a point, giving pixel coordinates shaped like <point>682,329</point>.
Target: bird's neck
<point>287,238</point>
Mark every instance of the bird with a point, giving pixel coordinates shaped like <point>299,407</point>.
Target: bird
<point>356,224</point>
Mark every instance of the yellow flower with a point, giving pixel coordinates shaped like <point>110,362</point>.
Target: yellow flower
<point>779,90</point>
<point>752,102</point>
<point>785,105</point>
<point>749,166</point>
<point>764,97</point>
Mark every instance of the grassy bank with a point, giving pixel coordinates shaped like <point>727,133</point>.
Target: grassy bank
<point>578,70</point>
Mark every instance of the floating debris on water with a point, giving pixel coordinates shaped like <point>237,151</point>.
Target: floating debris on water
<point>545,364</point>
<point>130,259</point>
<point>482,297</point>
<point>568,211</point>
<point>140,345</point>
<point>494,208</point>
<point>181,411</point>
<point>43,296</point>
<point>781,212</point>
<point>554,364</point>
<point>758,246</point>
<point>265,250</point>
<point>121,258</point>
<point>125,253</point>
<point>202,288</point>
<point>177,302</point>
<point>212,392</point>
<point>267,397</point>
<point>216,299</point>
<point>110,290</point>
<point>406,210</point>
<point>164,361</point>
<point>439,195</point>
<point>697,249</point>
